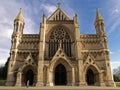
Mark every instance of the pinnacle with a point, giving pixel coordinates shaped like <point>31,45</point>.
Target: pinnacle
<point>59,4</point>
<point>98,16</point>
<point>20,16</point>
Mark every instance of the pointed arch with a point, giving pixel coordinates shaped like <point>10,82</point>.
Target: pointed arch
<point>92,75</point>
<point>92,71</point>
<point>65,28</point>
<point>91,62</point>
<point>68,70</point>
<point>57,61</point>
<point>56,35</point>
<point>29,72</point>
<point>60,75</point>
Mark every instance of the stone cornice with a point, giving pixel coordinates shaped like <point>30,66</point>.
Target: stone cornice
<point>60,22</point>
<point>95,50</point>
<point>30,35</point>
<point>28,50</point>
<point>89,36</point>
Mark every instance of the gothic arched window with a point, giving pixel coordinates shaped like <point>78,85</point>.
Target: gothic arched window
<point>56,37</point>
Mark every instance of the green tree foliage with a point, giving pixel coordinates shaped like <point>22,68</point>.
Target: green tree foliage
<point>3,70</point>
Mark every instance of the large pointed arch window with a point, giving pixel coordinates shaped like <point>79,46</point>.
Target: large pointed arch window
<point>56,37</point>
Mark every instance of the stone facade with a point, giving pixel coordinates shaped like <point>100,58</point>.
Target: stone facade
<point>59,54</point>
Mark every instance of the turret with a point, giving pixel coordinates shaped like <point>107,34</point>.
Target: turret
<point>75,19</point>
<point>42,27</point>
<point>99,24</point>
<point>19,23</point>
<point>43,19</point>
<point>18,29</point>
<point>76,25</point>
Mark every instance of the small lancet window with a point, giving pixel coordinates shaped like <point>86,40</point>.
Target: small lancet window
<point>17,26</point>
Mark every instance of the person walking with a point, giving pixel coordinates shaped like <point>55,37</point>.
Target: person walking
<point>28,83</point>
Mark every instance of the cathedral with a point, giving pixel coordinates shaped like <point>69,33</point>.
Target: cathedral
<point>59,54</point>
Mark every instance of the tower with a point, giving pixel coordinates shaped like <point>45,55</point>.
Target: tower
<point>100,31</point>
<point>16,39</point>
<point>99,24</point>
<point>18,29</point>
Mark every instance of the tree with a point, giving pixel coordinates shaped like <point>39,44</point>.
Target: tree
<point>3,70</point>
<point>116,74</point>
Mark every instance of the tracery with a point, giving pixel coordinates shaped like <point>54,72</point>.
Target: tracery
<point>58,36</point>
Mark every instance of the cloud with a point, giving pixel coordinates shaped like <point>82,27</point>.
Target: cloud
<point>49,9</point>
<point>111,52</point>
<point>8,12</point>
<point>115,64</point>
<point>4,54</point>
<point>114,26</point>
<point>114,16</point>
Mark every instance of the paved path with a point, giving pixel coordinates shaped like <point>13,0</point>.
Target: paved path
<point>59,88</point>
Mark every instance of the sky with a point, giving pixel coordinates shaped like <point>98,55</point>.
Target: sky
<point>85,9</point>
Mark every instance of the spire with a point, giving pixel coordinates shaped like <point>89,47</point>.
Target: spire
<point>98,16</point>
<point>20,16</point>
<point>99,24</point>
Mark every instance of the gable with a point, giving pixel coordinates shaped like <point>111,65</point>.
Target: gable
<point>59,14</point>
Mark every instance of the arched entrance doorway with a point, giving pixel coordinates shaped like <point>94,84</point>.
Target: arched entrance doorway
<point>60,75</point>
<point>29,76</point>
<point>90,77</point>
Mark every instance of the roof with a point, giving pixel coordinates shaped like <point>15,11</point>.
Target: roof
<point>98,16</point>
<point>59,14</point>
<point>20,16</point>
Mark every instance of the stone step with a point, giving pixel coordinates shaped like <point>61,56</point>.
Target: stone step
<point>59,88</point>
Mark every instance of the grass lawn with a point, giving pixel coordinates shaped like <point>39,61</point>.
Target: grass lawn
<point>117,84</point>
<point>2,82</point>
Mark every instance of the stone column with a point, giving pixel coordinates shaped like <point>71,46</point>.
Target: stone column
<point>81,73</point>
<point>48,79</point>
<point>101,79</point>
<point>51,78</point>
<point>73,77</point>
<point>110,81</point>
<point>69,78</point>
<point>109,75</point>
<point>40,74</point>
<point>18,80</point>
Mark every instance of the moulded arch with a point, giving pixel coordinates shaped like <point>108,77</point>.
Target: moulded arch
<point>29,67</point>
<point>62,61</point>
<point>68,70</point>
<point>26,67</point>
<point>66,29</point>
<point>29,72</point>
<point>92,75</point>
<point>90,62</point>
<point>92,67</point>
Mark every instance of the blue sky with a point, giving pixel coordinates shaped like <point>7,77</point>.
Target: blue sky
<point>86,10</point>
